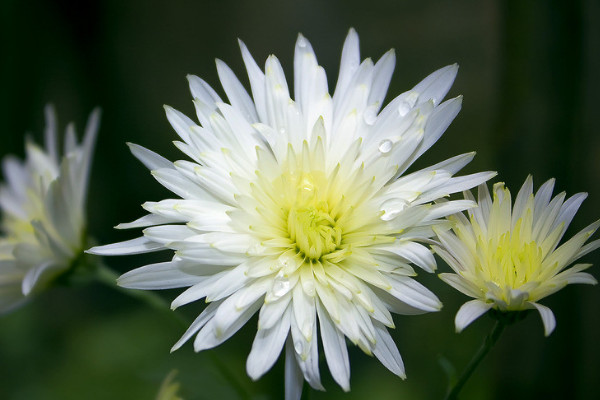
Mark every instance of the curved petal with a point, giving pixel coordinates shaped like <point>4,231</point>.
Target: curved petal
<point>469,312</point>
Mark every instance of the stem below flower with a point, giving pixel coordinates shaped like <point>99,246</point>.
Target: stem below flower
<point>487,345</point>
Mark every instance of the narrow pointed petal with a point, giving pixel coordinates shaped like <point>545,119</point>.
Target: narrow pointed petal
<point>469,312</point>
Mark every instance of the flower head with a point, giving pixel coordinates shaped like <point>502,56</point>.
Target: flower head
<point>507,257</point>
<point>43,217</point>
<point>300,210</point>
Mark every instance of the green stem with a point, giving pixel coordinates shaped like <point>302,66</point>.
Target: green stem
<point>487,345</point>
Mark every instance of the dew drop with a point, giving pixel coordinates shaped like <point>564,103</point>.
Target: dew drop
<point>370,116</point>
<point>309,287</point>
<point>385,146</point>
<point>307,330</point>
<point>392,208</point>
<point>412,98</point>
<point>403,108</point>
<point>281,285</point>
<point>282,131</point>
<point>409,102</point>
<point>307,184</point>
<point>298,347</point>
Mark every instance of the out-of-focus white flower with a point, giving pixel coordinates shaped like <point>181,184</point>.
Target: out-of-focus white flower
<point>169,388</point>
<point>43,217</point>
<point>506,257</point>
<point>300,210</point>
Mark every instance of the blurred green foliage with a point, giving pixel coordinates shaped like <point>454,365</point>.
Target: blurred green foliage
<point>530,83</point>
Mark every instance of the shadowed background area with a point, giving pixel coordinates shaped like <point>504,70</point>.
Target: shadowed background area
<point>528,76</point>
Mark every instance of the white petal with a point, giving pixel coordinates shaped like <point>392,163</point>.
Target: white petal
<point>304,312</point>
<point>50,133</point>
<point>522,199</point>
<point>568,210</point>
<point>146,220</point>
<point>149,158</point>
<point>293,375</point>
<point>413,293</point>
<point>257,82</point>
<point>180,185</point>
<point>457,184</point>
<point>37,276</point>
<point>336,352</point>
<point>348,65</point>
<point>414,253</point>
<point>382,74</point>
<point>469,312</point>
<point>166,234</point>
<point>272,311</point>
<point>204,284</point>
<point>227,320</point>
<point>237,95</point>
<point>91,131</point>
<point>386,351</point>
<point>542,198</point>
<point>267,346</point>
<point>307,354</point>
<point>461,284</point>
<point>582,277</point>
<point>395,305</point>
<point>206,315</point>
<point>203,92</point>
<point>180,123</point>
<point>437,123</point>
<point>164,275</point>
<point>436,85</point>
<point>134,246</point>
<point>547,317</point>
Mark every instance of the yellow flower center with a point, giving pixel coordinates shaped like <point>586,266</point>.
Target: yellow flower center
<point>513,262</point>
<point>314,231</point>
<point>511,259</point>
<point>309,222</point>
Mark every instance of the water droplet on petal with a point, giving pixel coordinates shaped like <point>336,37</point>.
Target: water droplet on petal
<point>392,208</point>
<point>298,346</point>
<point>309,287</point>
<point>385,146</point>
<point>412,98</point>
<point>307,184</point>
<point>409,102</point>
<point>282,131</point>
<point>370,116</point>
<point>403,108</point>
<point>281,285</point>
<point>307,330</point>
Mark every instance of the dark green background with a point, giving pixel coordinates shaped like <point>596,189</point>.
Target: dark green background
<point>529,76</point>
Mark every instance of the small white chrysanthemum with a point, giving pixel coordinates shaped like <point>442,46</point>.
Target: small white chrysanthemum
<point>43,217</point>
<point>299,210</point>
<point>507,257</point>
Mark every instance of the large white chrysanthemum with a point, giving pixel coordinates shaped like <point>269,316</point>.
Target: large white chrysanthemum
<point>507,258</point>
<point>299,210</point>
<point>43,217</point>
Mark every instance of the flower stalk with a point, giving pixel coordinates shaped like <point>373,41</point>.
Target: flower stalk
<point>489,342</point>
<point>502,320</point>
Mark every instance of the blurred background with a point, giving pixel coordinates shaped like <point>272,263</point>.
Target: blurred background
<point>528,73</point>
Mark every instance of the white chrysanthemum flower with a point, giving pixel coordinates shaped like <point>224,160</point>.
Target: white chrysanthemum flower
<point>507,258</point>
<point>299,210</point>
<point>43,217</point>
